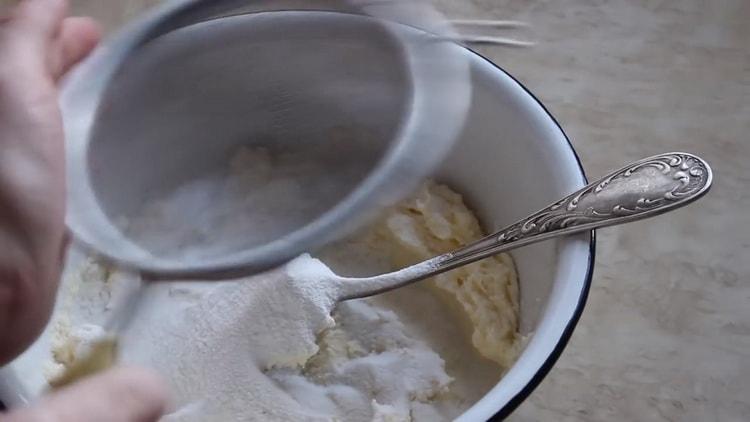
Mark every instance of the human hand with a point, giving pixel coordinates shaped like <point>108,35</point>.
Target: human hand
<point>119,395</point>
<point>38,46</point>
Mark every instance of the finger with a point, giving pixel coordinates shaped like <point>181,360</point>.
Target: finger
<point>39,20</point>
<point>118,395</point>
<point>6,12</point>
<point>77,37</point>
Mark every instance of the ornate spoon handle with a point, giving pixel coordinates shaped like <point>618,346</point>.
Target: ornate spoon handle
<point>643,189</point>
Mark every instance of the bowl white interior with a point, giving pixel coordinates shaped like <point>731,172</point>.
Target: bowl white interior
<point>512,159</point>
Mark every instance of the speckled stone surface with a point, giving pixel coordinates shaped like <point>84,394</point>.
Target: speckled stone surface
<point>666,332</point>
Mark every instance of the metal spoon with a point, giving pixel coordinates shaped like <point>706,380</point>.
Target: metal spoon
<point>643,189</point>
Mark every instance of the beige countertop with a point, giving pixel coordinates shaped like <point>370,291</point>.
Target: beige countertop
<point>666,332</point>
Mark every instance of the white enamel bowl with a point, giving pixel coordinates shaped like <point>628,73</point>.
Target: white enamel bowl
<point>512,159</point>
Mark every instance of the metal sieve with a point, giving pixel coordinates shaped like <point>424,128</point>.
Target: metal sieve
<point>374,91</point>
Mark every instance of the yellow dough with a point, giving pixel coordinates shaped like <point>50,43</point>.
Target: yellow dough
<point>100,355</point>
<point>436,220</point>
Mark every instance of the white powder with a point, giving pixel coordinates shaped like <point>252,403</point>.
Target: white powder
<point>367,364</point>
<point>216,350</point>
<point>244,350</point>
<point>277,346</point>
<point>263,196</point>
<point>267,347</point>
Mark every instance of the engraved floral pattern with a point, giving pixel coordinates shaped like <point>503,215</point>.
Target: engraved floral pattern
<point>645,188</point>
<point>688,174</point>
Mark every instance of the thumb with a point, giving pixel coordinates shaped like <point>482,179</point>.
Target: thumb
<point>118,395</point>
<point>77,37</point>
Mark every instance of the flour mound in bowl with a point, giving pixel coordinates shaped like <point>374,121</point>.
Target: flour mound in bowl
<point>276,346</point>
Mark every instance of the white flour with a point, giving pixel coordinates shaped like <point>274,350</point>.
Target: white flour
<point>263,196</point>
<point>216,349</point>
<point>267,348</point>
<point>277,346</point>
<point>252,349</point>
